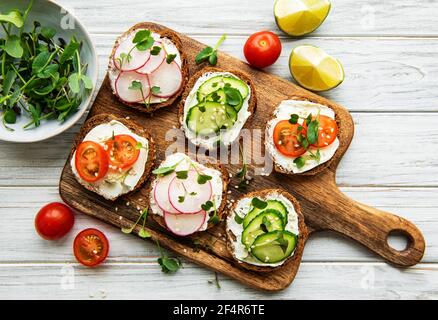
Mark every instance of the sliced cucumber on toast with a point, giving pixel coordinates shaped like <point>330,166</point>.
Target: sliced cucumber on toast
<point>219,82</point>
<point>267,221</point>
<point>272,204</point>
<point>273,247</point>
<point>220,99</point>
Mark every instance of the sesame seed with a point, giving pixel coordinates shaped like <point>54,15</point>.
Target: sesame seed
<point>127,203</point>
<point>127,118</point>
<point>120,217</point>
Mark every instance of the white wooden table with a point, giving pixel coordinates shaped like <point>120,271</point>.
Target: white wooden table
<point>390,53</point>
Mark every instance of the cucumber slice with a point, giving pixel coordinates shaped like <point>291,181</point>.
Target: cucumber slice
<point>219,82</point>
<point>267,221</point>
<point>209,117</point>
<point>216,96</point>
<point>272,204</point>
<point>274,246</point>
<point>219,96</point>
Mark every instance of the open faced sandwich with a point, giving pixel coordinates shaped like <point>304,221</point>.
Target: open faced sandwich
<point>302,136</point>
<point>264,229</point>
<point>215,107</point>
<point>112,156</point>
<point>186,196</point>
<point>147,68</point>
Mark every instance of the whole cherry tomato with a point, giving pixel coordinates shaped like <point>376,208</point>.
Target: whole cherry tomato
<point>262,49</point>
<point>54,221</point>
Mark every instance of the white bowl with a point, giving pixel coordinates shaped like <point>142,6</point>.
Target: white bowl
<point>51,14</point>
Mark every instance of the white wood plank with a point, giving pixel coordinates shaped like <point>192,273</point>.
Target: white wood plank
<point>381,74</point>
<point>389,149</point>
<point>142,280</point>
<point>360,17</point>
<point>18,211</point>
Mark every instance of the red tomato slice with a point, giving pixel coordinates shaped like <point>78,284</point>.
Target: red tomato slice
<point>90,247</point>
<point>122,151</point>
<point>327,131</point>
<point>285,138</point>
<point>91,161</point>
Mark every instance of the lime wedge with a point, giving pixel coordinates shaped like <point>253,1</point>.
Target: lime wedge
<point>314,69</point>
<point>300,17</point>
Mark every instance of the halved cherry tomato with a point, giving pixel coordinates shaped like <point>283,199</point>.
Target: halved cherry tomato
<point>262,49</point>
<point>54,221</point>
<point>327,131</point>
<point>90,247</point>
<point>91,161</point>
<point>122,151</point>
<point>285,138</point>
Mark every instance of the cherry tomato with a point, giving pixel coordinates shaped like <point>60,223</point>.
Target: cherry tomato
<point>262,49</point>
<point>122,151</point>
<point>91,161</point>
<point>90,247</point>
<point>54,221</point>
<point>327,131</point>
<point>285,138</point>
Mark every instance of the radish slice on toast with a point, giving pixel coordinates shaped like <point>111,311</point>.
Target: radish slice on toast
<point>154,62</point>
<point>168,78</point>
<point>137,58</point>
<point>161,194</point>
<point>187,195</point>
<point>124,82</point>
<point>184,224</point>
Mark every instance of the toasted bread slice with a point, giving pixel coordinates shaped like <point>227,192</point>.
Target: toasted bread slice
<point>303,232</point>
<point>221,211</point>
<point>164,33</point>
<point>322,166</point>
<point>135,128</point>
<point>252,102</point>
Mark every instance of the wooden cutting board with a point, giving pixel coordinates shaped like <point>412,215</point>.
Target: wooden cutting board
<point>324,206</point>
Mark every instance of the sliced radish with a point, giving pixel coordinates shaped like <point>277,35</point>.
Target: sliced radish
<point>168,78</point>
<point>137,59</point>
<point>154,62</point>
<point>187,195</point>
<point>124,82</point>
<point>184,224</point>
<point>161,194</point>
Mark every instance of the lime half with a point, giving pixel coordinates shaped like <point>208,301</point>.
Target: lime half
<point>314,69</point>
<point>300,17</point>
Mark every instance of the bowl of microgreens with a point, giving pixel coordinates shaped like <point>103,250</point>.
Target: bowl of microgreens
<point>48,70</point>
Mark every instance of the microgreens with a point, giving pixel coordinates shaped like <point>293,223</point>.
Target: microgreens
<point>215,281</point>
<point>238,219</point>
<point>259,204</point>
<point>233,96</point>
<point>207,207</point>
<point>155,51</point>
<point>170,57</point>
<point>40,76</point>
<point>168,265</point>
<point>143,233</point>
<point>242,174</point>
<point>209,54</point>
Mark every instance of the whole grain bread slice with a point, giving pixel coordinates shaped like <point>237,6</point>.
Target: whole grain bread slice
<point>221,212</point>
<point>164,32</point>
<point>324,165</point>
<point>135,128</point>
<point>252,103</point>
<point>303,232</point>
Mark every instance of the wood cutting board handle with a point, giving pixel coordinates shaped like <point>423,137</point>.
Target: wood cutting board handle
<point>371,227</point>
